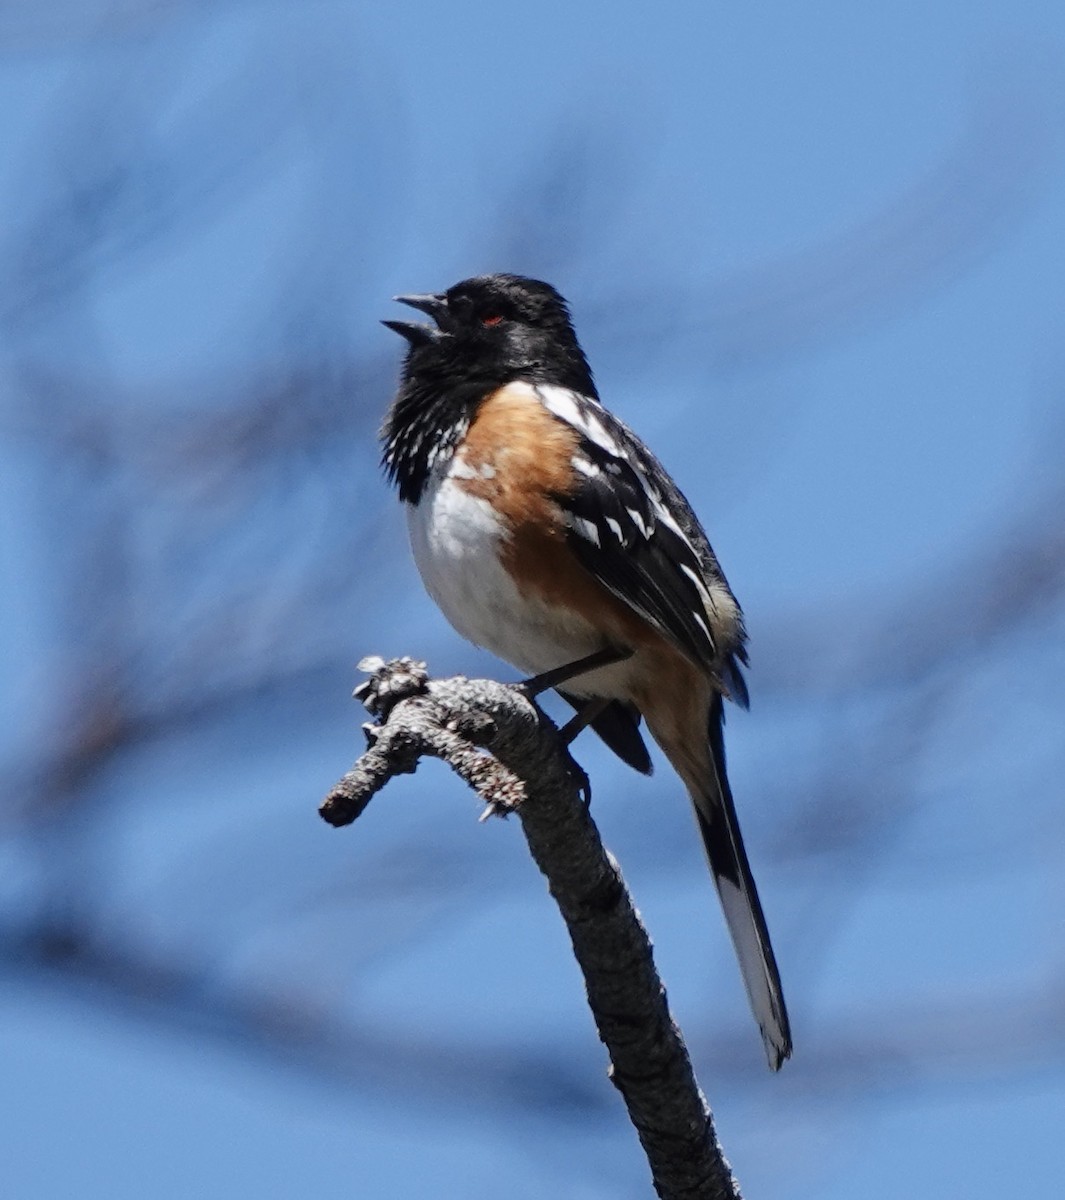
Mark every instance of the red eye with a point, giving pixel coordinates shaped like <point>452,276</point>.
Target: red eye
<point>491,319</point>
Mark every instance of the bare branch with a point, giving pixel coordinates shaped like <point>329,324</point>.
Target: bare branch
<point>529,771</point>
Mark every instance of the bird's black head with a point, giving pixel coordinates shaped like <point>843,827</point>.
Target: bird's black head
<point>488,331</point>
<point>494,329</point>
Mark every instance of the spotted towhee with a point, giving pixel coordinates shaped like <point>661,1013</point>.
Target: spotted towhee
<point>549,534</point>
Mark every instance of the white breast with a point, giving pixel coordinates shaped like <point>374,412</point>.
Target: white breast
<point>456,539</point>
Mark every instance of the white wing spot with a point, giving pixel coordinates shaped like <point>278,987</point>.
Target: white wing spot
<point>578,411</point>
<point>699,582</point>
<point>615,528</point>
<point>667,518</point>
<point>586,529</point>
<point>637,519</point>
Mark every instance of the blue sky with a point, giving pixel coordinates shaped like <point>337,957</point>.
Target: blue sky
<point>816,258</point>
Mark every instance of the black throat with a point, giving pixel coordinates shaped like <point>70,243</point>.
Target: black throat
<point>423,427</point>
<point>493,330</point>
<point>431,415</point>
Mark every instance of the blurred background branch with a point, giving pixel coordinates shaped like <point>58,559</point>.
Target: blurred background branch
<point>205,217</point>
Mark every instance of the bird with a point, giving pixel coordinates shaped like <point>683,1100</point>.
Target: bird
<point>549,534</point>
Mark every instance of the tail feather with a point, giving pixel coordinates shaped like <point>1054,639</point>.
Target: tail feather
<point>715,813</point>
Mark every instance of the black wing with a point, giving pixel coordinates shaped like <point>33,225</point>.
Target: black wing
<point>630,525</point>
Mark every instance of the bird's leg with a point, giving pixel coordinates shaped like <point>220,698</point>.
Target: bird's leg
<point>531,688</point>
<point>582,718</point>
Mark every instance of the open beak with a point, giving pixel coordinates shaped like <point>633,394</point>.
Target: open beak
<point>417,332</point>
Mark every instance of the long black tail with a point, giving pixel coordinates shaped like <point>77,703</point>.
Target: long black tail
<point>720,829</point>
